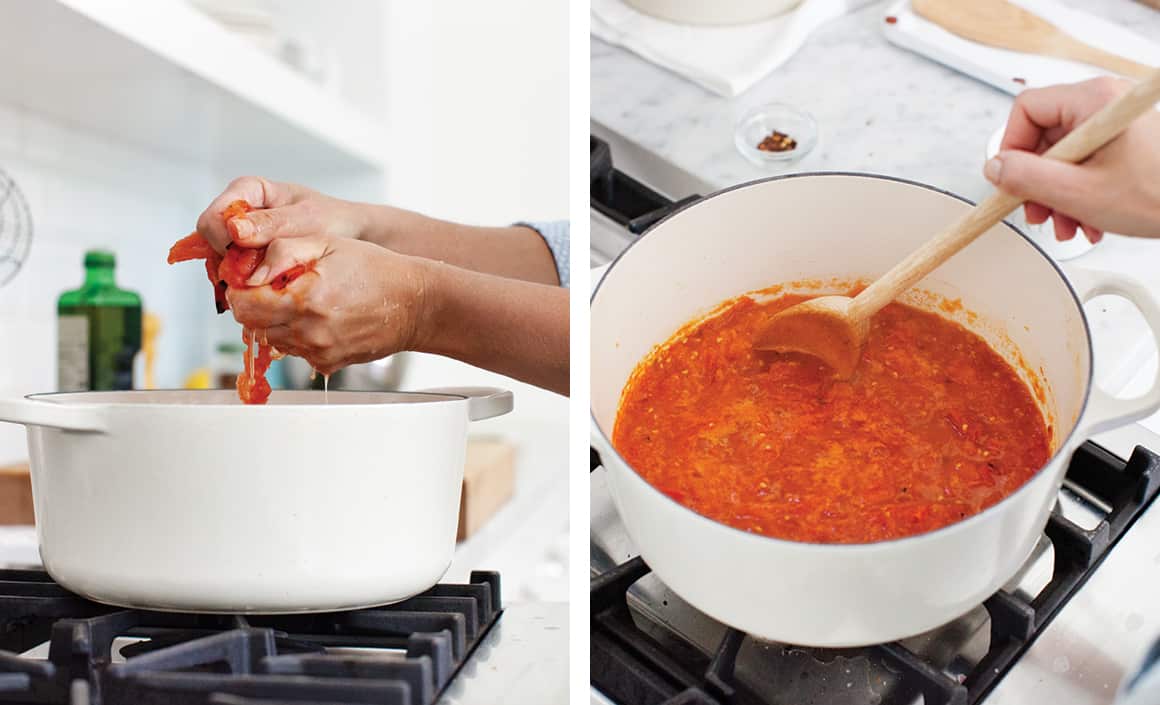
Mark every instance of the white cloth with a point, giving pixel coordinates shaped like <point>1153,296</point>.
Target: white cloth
<point>725,60</point>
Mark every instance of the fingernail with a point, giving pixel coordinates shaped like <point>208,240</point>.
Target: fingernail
<point>242,227</point>
<point>993,169</point>
<point>259,277</point>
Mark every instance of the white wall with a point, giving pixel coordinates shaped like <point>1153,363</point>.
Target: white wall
<point>477,105</point>
<point>90,192</point>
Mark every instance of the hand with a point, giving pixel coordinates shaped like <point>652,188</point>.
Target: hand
<point>281,211</point>
<point>1117,189</point>
<point>358,303</point>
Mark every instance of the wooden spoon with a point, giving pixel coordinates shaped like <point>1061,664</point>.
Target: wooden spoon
<point>834,328</point>
<point>999,23</point>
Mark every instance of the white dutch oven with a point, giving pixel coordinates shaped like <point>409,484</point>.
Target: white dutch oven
<point>857,226</point>
<point>184,500</point>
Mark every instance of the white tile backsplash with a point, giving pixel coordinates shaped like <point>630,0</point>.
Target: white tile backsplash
<point>87,191</point>
<point>11,128</point>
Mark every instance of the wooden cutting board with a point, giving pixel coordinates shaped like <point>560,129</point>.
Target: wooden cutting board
<point>489,480</point>
<point>15,496</point>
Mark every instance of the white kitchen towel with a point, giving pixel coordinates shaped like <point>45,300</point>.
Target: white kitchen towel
<point>725,60</point>
<point>1001,67</point>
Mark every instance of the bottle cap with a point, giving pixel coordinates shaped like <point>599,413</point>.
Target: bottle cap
<point>100,258</point>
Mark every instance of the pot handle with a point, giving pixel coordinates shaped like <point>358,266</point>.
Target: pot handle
<point>66,417</point>
<point>1104,411</point>
<point>482,402</point>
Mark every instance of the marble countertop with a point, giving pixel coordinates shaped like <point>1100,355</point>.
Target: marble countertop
<point>879,108</point>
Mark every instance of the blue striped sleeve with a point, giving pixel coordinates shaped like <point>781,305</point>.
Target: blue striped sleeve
<point>556,236</point>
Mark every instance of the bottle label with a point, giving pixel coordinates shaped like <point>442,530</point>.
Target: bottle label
<point>72,354</point>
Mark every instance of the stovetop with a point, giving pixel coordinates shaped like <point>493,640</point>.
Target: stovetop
<point>1066,630</point>
<point>455,643</point>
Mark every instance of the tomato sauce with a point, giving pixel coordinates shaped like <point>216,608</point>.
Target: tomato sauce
<point>935,426</point>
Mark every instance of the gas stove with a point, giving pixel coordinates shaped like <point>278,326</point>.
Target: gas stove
<point>451,644</point>
<point>1066,629</point>
<point>1069,628</point>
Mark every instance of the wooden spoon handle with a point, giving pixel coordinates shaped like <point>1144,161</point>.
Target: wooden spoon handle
<point>1088,54</point>
<point>1077,145</point>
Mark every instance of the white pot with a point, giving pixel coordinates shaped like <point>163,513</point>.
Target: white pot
<point>847,225</point>
<point>719,12</point>
<point>188,500</point>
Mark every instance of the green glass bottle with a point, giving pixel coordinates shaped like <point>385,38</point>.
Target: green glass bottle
<point>99,330</point>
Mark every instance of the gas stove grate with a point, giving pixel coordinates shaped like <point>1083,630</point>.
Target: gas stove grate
<point>188,659</point>
<point>630,665</point>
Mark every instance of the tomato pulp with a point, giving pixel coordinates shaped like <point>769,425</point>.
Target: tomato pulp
<point>233,270</point>
<point>934,427</point>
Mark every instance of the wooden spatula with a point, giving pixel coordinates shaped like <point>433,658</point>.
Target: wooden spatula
<point>999,23</point>
<point>834,328</point>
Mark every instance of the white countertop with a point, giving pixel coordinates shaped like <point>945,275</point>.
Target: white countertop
<point>879,108</point>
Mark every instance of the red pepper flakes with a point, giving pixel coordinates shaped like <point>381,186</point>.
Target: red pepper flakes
<point>777,142</point>
<point>1020,81</point>
<point>891,19</point>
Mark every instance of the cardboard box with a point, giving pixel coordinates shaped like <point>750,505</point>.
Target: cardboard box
<point>15,496</point>
<point>489,480</point>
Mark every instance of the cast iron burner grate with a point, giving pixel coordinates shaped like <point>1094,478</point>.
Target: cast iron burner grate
<point>192,659</point>
<point>631,666</point>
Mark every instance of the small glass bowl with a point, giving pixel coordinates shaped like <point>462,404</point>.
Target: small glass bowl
<point>758,123</point>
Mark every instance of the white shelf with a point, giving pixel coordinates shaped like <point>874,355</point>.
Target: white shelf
<point>163,76</point>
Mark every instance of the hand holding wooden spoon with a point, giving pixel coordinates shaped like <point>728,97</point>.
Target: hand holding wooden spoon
<point>834,328</point>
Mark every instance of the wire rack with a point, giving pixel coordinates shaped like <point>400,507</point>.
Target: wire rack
<point>15,229</point>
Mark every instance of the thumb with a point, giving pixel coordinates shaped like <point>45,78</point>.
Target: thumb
<point>261,227</point>
<point>289,256</point>
<point>1069,188</point>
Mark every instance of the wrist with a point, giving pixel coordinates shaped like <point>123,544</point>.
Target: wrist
<point>431,306</point>
<point>363,220</point>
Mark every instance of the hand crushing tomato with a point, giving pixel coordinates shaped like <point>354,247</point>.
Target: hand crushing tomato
<point>233,270</point>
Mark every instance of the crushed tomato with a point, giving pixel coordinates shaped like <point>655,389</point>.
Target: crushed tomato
<point>934,427</point>
<point>233,271</point>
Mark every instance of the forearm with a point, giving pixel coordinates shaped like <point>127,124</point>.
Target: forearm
<point>516,328</point>
<point>512,252</point>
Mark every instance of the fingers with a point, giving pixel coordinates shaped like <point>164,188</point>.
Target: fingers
<point>1052,183</point>
<point>310,341</point>
<point>1043,115</point>
<point>1037,213</point>
<point>1093,235</point>
<point>284,255</point>
<point>281,338</point>
<point>255,190</point>
<point>261,308</point>
<point>261,227</point>
<point>1064,226</point>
